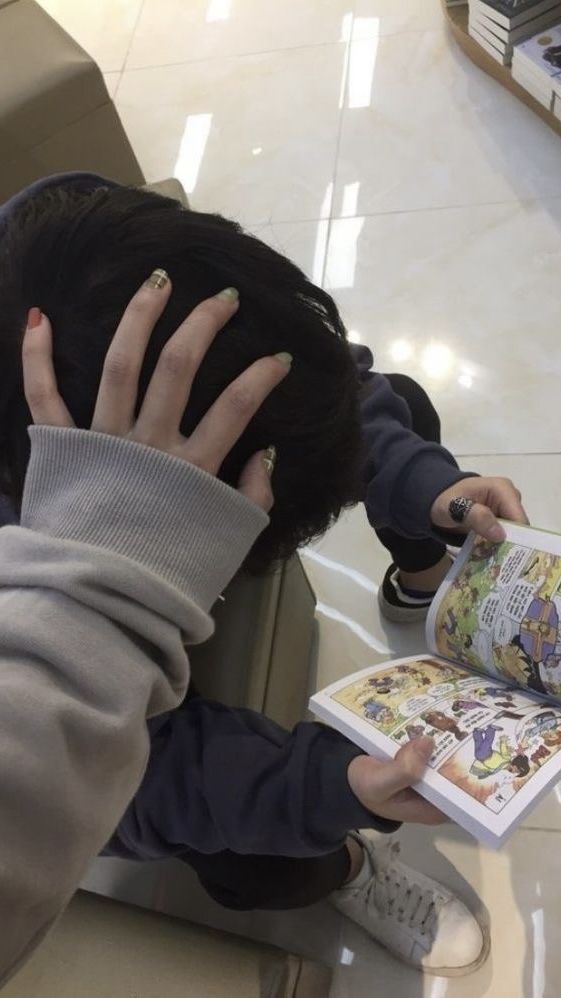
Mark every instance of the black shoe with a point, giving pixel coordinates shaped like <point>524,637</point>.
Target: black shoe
<point>396,606</point>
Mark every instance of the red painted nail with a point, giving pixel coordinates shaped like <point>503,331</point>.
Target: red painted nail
<point>33,318</point>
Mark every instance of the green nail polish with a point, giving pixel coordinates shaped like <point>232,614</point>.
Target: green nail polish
<point>285,358</point>
<point>229,294</point>
<point>158,279</point>
<point>270,459</point>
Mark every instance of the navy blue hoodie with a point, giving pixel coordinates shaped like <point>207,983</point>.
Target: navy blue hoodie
<point>223,778</point>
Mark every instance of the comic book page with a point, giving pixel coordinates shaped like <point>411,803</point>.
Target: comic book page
<point>496,746</point>
<point>499,610</point>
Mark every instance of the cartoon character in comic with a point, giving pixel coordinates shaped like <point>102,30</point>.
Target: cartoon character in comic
<point>550,671</point>
<point>483,551</point>
<point>546,720</point>
<point>512,661</point>
<point>450,625</point>
<point>484,556</point>
<point>415,674</point>
<point>414,731</point>
<point>465,705</point>
<point>441,722</point>
<point>446,673</point>
<point>382,684</point>
<point>490,759</point>
<point>460,646</point>
<point>552,737</point>
<point>538,569</point>
<point>506,701</point>
<point>385,685</point>
<point>380,712</point>
<point>530,567</point>
<point>507,698</point>
<point>539,629</point>
<point>540,755</point>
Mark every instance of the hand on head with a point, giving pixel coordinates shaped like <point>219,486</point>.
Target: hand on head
<point>157,424</point>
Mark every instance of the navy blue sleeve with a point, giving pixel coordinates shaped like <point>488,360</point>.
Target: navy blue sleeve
<point>223,778</point>
<point>403,474</point>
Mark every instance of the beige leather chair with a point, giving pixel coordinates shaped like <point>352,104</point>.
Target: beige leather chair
<point>55,112</point>
<point>104,949</point>
<point>261,653</point>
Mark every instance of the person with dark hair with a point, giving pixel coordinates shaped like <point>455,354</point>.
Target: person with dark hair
<point>520,766</point>
<point>266,817</point>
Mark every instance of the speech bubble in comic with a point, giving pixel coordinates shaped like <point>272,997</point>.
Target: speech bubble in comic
<point>415,705</point>
<point>489,611</point>
<point>476,719</point>
<point>482,644</point>
<point>512,564</point>
<point>445,743</point>
<point>518,600</point>
<point>504,631</point>
<point>472,683</point>
<point>441,689</point>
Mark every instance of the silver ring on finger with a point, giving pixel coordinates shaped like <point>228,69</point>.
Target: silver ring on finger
<point>460,508</point>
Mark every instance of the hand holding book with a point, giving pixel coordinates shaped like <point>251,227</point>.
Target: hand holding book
<point>489,694</point>
<point>385,788</point>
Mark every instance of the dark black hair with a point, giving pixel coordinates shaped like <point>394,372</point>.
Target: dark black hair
<point>80,258</point>
<point>520,762</point>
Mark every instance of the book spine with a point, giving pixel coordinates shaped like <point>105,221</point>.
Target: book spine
<point>489,12</point>
<point>498,56</point>
<point>515,35</point>
<point>499,45</point>
<point>514,19</point>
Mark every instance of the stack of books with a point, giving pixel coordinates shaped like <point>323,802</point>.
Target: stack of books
<point>536,65</point>
<point>499,25</point>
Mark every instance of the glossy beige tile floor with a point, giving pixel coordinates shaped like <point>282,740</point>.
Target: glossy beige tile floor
<point>354,136</point>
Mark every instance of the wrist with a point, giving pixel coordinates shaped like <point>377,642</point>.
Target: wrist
<point>355,777</point>
<point>359,776</point>
<point>169,517</point>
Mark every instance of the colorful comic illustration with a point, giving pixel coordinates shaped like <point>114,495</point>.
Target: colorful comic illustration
<point>490,738</point>
<point>502,614</point>
<point>397,694</point>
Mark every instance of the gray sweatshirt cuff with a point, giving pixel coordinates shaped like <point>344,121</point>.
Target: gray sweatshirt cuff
<point>168,516</point>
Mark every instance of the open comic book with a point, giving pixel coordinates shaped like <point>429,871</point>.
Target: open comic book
<point>489,692</point>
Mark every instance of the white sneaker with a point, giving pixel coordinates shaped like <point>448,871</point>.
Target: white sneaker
<point>417,919</point>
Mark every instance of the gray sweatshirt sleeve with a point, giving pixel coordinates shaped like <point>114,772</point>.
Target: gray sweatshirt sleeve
<point>121,552</point>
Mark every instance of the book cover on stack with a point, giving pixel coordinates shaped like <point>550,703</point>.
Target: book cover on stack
<point>536,65</point>
<point>498,25</point>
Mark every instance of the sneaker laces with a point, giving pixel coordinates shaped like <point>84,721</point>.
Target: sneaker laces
<point>394,896</point>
